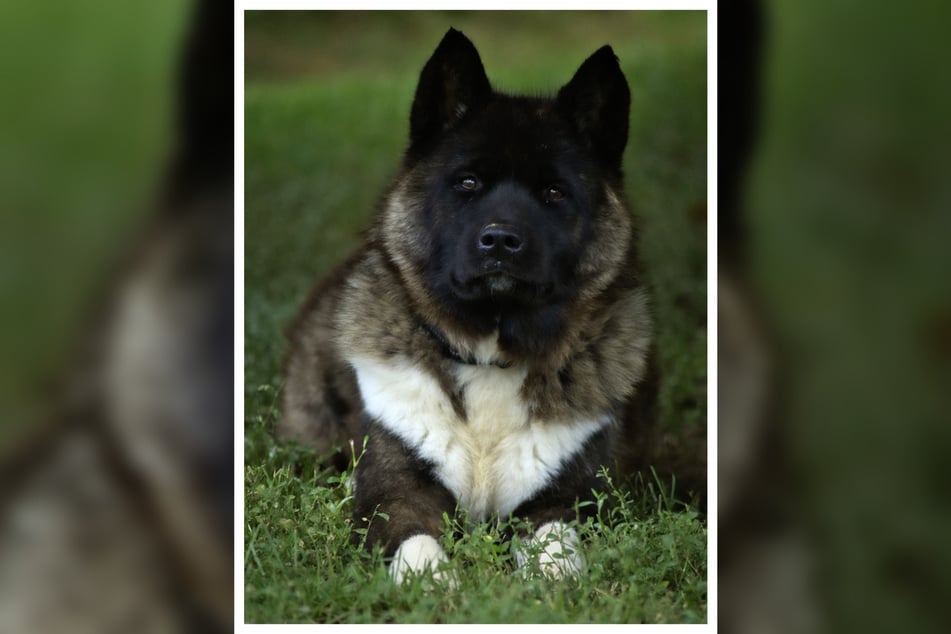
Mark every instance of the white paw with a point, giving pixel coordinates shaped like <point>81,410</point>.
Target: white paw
<point>555,550</point>
<point>416,555</point>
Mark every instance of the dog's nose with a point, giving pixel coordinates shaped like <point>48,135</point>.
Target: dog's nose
<point>500,241</point>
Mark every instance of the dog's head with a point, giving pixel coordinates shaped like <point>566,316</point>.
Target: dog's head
<point>508,208</point>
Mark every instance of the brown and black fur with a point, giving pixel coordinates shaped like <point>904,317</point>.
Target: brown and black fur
<point>585,337</point>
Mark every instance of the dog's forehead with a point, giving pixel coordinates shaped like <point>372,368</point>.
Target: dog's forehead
<point>523,119</point>
<point>517,134</point>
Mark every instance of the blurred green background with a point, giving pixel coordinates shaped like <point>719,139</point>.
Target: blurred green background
<point>849,217</point>
<point>85,129</point>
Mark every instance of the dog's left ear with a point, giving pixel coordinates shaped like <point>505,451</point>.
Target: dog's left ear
<point>452,85</point>
<point>597,102</point>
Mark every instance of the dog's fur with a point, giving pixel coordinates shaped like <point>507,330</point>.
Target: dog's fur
<point>492,339</point>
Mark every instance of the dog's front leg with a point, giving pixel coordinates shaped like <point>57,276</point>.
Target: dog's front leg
<point>553,548</point>
<point>401,505</point>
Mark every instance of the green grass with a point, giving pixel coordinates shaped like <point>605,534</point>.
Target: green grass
<point>327,100</point>
<point>646,561</point>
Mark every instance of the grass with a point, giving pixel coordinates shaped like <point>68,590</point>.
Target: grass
<point>327,100</point>
<point>646,560</point>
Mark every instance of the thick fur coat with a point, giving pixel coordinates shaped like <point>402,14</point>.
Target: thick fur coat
<point>492,339</point>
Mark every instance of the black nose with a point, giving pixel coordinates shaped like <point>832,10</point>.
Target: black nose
<point>500,241</point>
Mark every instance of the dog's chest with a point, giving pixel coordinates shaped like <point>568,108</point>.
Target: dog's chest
<point>493,460</point>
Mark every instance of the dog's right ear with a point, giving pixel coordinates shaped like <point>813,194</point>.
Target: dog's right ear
<point>597,103</point>
<point>452,86</point>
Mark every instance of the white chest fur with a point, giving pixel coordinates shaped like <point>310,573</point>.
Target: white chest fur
<point>493,461</point>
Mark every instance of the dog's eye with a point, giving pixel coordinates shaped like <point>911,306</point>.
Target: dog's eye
<point>468,183</point>
<point>553,194</point>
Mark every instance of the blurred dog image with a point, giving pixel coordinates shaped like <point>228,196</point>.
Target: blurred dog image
<point>116,514</point>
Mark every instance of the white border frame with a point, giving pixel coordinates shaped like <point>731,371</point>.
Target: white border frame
<point>710,6</point>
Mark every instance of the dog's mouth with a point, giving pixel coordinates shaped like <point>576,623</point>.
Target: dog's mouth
<point>499,285</point>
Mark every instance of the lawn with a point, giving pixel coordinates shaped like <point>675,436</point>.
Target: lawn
<point>327,99</point>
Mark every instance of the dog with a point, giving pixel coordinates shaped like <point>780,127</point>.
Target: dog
<point>491,341</point>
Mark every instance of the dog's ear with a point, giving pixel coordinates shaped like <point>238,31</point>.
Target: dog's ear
<point>596,102</point>
<point>451,86</point>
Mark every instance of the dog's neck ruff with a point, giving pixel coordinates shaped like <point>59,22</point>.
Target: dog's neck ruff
<point>454,355</point>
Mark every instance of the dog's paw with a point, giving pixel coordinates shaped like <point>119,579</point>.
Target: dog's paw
<point>417,555</point>
<point>553,551</point>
